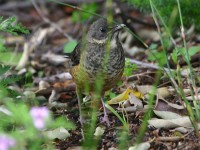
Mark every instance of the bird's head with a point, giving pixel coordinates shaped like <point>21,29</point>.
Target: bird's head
<point>99,31</point>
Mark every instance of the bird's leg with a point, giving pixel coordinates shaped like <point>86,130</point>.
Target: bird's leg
<point>80,98</point>
<point>105,118</point>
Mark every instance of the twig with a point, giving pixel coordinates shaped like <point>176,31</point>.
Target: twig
<point>153,66</point>
<point>140,74</point>
<point>170,139</point>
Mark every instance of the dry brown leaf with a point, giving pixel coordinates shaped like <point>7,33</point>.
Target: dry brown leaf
<point>134,100</point>
<point>171,123</point>
<point>163,105</point>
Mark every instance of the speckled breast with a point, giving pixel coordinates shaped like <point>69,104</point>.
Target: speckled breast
<point>109,65</point>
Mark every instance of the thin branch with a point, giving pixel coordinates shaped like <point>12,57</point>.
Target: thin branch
<point>153,66</point>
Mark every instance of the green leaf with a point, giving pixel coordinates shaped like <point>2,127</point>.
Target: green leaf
<point>118,116</point>
<point>69,47</point>
<point>193,50</point>
<point>2,48</point>
<point>10,58</point>
<point>75,16</point>
<point>153,46</point>
<point>158,56</point>
<point>129,68</point>
<point>112,95</point>
<point>175,55</point>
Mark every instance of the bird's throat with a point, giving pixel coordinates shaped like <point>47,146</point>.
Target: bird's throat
<point>103,41</point>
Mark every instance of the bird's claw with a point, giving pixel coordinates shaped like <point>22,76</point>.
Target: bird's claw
<point>81,120</point>
<point>106,120</point>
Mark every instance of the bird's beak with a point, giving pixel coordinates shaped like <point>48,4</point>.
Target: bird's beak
<point>116,28</point>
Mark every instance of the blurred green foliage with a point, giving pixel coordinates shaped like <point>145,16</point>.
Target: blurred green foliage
<point>189,8</point>
<point>9,25</point>
<point>78,16</point>
<point>5,81</point>
<point>155,55</point>
<point>18,123</point>
<point>16,120</point>
<point>2,47</point>
<point>182,52</point>
<point>10,58</point>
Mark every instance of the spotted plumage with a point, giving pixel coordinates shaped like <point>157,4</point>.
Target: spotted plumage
<point>94,58</point>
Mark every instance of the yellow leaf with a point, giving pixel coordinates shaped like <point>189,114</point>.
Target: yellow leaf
<point>125,96</point>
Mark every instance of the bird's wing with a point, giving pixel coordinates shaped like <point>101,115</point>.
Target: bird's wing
<point>75,55</point>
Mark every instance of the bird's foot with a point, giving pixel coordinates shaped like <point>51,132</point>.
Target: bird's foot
<point>105,119</point>
<point>81,120</point>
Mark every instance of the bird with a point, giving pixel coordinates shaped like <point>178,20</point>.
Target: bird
<point>97,63</point>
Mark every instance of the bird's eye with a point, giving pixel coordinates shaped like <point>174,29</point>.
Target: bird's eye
<point>103,30</point>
